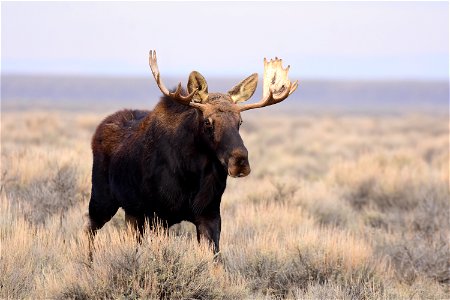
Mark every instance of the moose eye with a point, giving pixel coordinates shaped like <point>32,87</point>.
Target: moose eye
<point>208,122</point>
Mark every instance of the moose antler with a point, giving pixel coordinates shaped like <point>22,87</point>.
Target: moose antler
<point>186,100</point>
<point>277,86</point>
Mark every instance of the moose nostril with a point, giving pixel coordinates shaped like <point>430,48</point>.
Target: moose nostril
<point>239,157</point>
<point>240,161</point>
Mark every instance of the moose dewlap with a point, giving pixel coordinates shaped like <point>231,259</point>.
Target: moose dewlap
<point>172,163</point>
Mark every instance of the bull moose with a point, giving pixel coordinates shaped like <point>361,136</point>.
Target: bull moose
<point>172,163</point>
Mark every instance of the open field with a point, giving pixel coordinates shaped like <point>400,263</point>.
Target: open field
<point>337,206</point>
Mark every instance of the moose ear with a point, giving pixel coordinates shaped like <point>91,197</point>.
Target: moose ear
<point>244,89</point>
<point>198,82</point>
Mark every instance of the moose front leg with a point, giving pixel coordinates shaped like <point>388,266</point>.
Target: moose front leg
<point>209,227</point>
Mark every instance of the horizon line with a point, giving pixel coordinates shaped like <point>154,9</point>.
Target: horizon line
<point>215,76</point>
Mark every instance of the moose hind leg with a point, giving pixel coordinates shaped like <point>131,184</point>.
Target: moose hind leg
<point>99,214</point>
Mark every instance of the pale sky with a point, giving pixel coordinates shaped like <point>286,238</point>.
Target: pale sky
<point>325,40</point>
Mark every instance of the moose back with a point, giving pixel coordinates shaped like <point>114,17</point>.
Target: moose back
<point>172,163</point>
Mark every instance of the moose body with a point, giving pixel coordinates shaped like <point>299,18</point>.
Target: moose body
<point>172,163</point>
<point>154,164</point>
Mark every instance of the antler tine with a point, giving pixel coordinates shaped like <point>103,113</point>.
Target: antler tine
<point>152,60</point>
<point>277,86</point>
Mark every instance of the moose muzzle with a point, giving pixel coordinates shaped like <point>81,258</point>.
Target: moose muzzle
<point>238,165</point>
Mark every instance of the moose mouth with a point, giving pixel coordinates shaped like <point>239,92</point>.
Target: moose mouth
<point>238,171</point>
<point>238,175</point>
<point>234,170</point>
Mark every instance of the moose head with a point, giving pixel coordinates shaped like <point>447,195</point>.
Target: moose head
<point>221,112</point>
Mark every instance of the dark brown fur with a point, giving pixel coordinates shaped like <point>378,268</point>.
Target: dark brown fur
<point>171,163</point>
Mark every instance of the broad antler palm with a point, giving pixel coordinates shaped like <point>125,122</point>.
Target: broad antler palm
<point>277,86</point>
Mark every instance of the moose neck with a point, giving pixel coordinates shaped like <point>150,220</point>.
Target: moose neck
<point>175,119</point>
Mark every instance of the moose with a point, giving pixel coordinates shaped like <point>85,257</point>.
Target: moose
<point>171,164</point>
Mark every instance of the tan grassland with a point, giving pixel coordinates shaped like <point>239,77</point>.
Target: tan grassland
<point>346,206</point>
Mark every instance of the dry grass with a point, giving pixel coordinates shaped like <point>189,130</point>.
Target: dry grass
<point>337,206</point>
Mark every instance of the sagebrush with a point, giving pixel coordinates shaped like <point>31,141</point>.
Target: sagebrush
<point>337,206</point>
